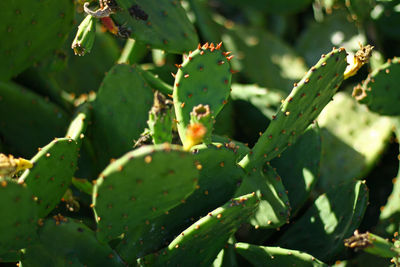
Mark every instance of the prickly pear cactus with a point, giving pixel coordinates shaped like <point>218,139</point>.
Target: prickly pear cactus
<point>31,112</point>
<point>328,218</point>
<point>262,256</point>
<point>125,189</point>
<point>48,187</point>
<point>379,91</point>
<point>203,78</point>
<point>160,24</point>
<point>77,246</point>
<point>303,105</point>
<point>33,30</point>
<point>117,111</point>
<point>197,239</point>
<point>18,228</point>
<point>233,159</point>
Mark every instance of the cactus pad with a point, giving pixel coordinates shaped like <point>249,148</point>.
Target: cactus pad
<point>31,30</point>
<point>27,116</point>
<point>203,78</point>
<point>161,24</point>
<point>353,140</point>
<point>299,167</point>
<point>53,168</point>
<point>77,127</point>
<point>120,112</point>
<point>140,186</point>
<point>300,108</point>
<point>380,90</point>
<point>19,221</point>
<point>333,217</point>
<point>65,242</point>
<point>276,256</point>
<point>274,208</point>
<point>199,244</point>
<point>219,177</point>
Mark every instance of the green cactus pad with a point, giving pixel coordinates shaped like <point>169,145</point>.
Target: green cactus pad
<point>53,168</point>
<point>239,148</point>
<point>199,244</point>
<point>65,242</point>
<point>18,222</point>
<point>353,140</point>
<point>140,186</point>
<point>300,108</point>
<point>161,24</point>
<point>219,177</point>
<point>156,82</point>
<point>276,256</point>
<point>380,90</point>
<point>31,121</point>
<point>160,120</point>
<point>120,112</point>
<point>77,127</point>
<point>333,217</point>
<point>203,78</point>
<point>31,30</point>
<point>227,256</point>
<point>299,167</point>
<point>274,208</point>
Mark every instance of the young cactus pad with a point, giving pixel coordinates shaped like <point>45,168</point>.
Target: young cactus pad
<point>203,78</point>
<point>78,125</point>
<point>84,38</point>
<point>299,109</point>
<point>53,168</point>
<point>199,244</point>
<point>380,90</point>
<point>19,223</point>
<point>140,186</point>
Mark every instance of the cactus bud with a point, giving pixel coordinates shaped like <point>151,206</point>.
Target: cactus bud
<point>84,38</point>
<point>194,135</point>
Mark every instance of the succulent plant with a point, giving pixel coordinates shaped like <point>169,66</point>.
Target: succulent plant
<point>222,163</point>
